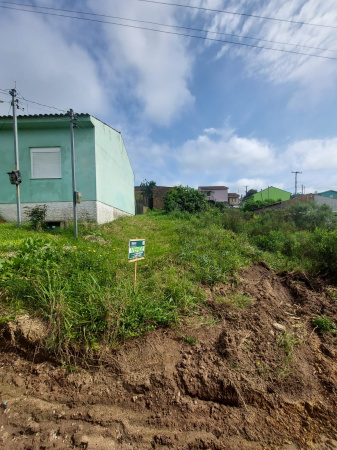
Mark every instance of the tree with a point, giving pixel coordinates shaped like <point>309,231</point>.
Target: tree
<point>249,194</point>
<point>185,199</point>
<point>147,191</point>
<point>308,216</point>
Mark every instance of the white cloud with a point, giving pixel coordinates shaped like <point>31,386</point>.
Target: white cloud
<point>156,67</point>
<point>47,66</point>
<point>313,154</point>
<point>222,151</point>
<point>248,183</point>
<point>226,158</point>
<point>314,78</point>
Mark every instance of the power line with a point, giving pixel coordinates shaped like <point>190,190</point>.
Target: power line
<point>170,26</point>
<point>173,33</point>
<point>3,91</point>
<point>239,14</point>
<point>41,104</point>
<point>21,97</point>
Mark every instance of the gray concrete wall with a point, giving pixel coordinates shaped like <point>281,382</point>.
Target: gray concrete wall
<point>63,211</point>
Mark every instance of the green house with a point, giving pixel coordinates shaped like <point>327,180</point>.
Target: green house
<point>330,194</point>
<point>104,175</point>
<point>272,193</point>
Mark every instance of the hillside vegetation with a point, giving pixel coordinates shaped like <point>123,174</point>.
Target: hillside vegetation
<point>228,342</point>
<point>83,289</point>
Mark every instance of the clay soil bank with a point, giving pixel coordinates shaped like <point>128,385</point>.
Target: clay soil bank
<point>249,374</point>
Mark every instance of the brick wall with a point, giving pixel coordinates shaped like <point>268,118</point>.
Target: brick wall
<point>158,196</point>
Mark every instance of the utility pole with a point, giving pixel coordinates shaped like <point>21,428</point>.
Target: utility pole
<point>73,120</point>
<point>246,189</point>
<point>296,181</point>
<point>16,152</point>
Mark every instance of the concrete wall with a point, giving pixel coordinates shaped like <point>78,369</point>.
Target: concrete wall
<point>114,174</point>
<point>320,200</point>
<point>63,211</point>
<point>48,132</point>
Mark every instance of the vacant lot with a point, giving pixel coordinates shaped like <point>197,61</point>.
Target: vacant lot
<point>217,349</point>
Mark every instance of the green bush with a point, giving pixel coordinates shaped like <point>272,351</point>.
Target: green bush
<point>308,216</point>
<point>185,199</point>
<point>251,204</point>
<point>37,216</point>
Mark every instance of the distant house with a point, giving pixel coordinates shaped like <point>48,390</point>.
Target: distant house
<point>104,175</point>
<point>271,193</point>
<point>233,199</point>
<point>329,194</point>
<point>215,193</point>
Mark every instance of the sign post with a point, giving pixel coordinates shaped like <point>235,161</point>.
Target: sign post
<point>136,253</point>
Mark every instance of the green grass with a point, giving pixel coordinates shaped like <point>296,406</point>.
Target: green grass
<point>84,289</point>
<point>324,324</point>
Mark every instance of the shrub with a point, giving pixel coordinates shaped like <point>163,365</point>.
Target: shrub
<point>308,216</point>
<point>37,216</point>
<point>185,199</point>
<point>251,205</point>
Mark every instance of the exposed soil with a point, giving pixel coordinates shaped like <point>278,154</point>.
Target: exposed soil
<point>260,378</point>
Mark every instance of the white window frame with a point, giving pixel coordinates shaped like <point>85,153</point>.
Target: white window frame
<point>39,176</point>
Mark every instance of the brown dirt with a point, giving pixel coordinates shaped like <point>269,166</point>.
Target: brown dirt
<point>234,389</point>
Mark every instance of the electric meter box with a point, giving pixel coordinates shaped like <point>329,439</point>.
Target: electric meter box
<point>15,177</point>
<point>78,197</point>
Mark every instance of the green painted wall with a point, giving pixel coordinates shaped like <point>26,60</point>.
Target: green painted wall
<point>115,177</point>
<point>272,193</point>
<point>48,132</point>
<point>330,194</point>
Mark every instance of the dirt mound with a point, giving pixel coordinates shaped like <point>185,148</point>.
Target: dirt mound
<point>259,378</point>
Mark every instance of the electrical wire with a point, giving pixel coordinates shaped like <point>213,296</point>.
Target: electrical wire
<point>21,97</point>
<point>41,104</point>
<point>175,34</point>
<point>3,91</point>
<point>239,14</point>
<point>170,26</point>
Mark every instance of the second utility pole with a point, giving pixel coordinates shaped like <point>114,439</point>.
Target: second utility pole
<point>296,181</point>
<point>72,126</point>
<point>16,152</point>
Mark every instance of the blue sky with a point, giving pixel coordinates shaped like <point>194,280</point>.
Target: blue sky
<point>191,111</point>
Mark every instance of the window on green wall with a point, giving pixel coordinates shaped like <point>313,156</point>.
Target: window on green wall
<point>45,162</point>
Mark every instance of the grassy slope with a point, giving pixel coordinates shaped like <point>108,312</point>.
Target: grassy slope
<point>84,289</point>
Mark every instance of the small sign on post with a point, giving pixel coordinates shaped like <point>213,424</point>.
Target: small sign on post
<point>136,253</point>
